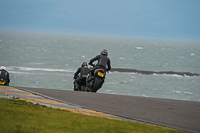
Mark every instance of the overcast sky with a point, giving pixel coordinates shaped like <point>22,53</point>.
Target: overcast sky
<point>164,19</point>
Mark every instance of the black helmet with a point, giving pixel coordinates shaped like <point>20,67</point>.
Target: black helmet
<point>104,52</point>
<point>84,64</point>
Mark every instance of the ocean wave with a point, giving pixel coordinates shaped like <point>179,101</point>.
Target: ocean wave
<point>188,93</point>
<point>109,90</point>
<point>40,69</point>
<point>171,73</point>
<point>16,72</point>
<point>153,72</point>
<point>139,47</point>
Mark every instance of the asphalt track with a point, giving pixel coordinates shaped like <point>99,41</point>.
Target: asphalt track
<point>178,114</point>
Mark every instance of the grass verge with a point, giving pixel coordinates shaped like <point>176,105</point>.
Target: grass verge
<point>21,116</point>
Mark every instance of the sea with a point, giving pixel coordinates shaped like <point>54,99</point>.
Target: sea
<point>49,61</point>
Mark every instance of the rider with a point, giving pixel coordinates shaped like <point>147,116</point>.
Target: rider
<point>4,74</point>
<point>103,61</point>
<point>83,70</point>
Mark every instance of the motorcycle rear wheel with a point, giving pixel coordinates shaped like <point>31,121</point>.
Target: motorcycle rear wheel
<point>97,85</point>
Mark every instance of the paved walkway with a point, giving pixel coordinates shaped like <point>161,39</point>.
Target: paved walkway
<point>178,114</point>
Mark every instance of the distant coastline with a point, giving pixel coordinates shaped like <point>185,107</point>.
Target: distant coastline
<point>153,72</point>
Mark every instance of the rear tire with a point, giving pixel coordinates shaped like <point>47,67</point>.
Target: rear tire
<point>96,85</point>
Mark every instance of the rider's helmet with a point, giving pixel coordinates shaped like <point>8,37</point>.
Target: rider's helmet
<point>84,64</point>
<point>2,68</point>
<point>104,52</point>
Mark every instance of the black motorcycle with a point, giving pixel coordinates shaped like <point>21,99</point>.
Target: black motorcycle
<point>80,83</point>
<point>94,81</point>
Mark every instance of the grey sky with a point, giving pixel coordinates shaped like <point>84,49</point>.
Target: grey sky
<point>165,19</point>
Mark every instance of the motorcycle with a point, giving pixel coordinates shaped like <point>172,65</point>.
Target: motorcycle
<point>2,81</point>
<point>80,83</point>
<point>95,81</point>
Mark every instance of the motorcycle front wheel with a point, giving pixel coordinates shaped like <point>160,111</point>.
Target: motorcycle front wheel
<point>83,88</point>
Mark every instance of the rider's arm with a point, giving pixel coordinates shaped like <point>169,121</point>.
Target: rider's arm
<point>93,59</point>
<point>77,72</point>
<point>8,77</point>
<point>109,66</point>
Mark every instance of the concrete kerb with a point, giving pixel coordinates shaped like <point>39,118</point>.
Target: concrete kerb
<point>37,98</point>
